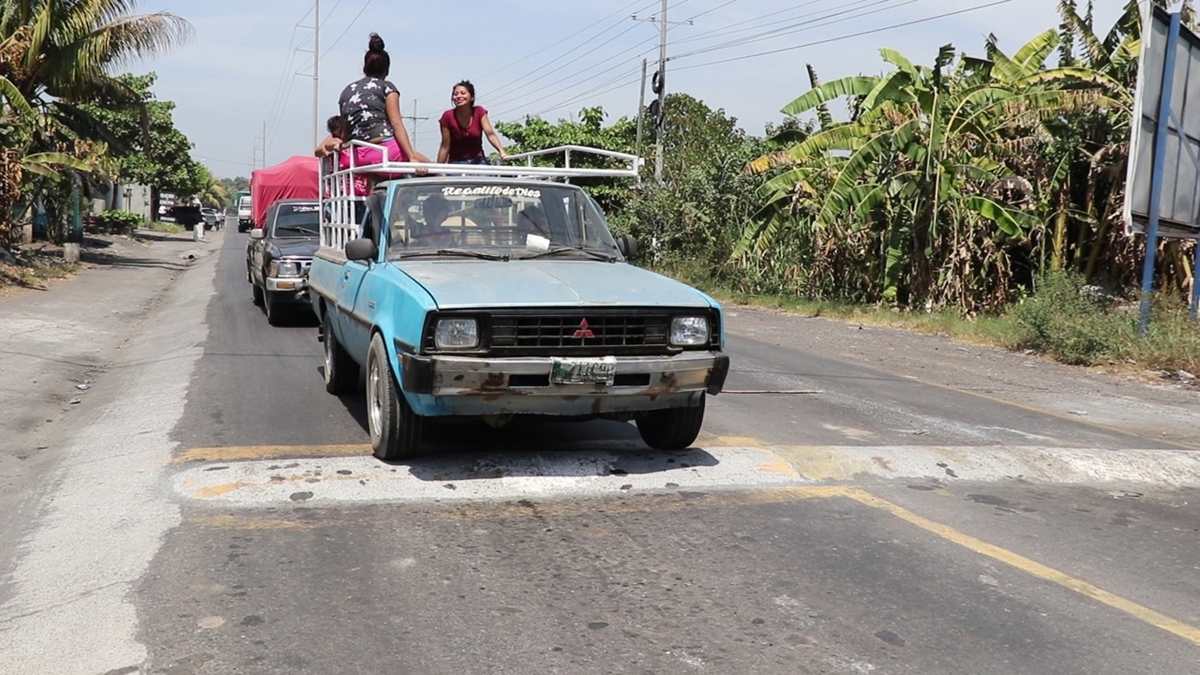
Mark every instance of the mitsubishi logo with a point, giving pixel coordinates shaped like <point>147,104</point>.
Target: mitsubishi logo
<point>583,331</point>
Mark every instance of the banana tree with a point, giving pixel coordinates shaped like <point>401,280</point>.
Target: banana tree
<point>21,125</point>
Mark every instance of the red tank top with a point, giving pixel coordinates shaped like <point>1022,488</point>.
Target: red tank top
<point>465,143</point>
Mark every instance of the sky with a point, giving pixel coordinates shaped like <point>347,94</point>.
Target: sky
<point>248,64</point>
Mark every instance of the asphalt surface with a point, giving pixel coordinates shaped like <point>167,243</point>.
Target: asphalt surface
<point>282,546</point>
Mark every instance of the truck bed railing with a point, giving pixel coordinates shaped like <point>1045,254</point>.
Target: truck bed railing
<point>340,217</point>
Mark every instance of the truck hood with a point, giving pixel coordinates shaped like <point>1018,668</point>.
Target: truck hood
<point>294,246</point>
<point>460,284</point>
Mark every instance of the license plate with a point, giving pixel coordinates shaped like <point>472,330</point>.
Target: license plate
<point>584,371</point>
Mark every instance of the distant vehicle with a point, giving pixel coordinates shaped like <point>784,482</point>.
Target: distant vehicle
<point>187,215</point>
<point>212,220</point>
<point>279,255</point>
<point>245,211</point>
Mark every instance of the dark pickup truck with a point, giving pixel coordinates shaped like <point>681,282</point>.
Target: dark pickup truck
<point>279,254</point>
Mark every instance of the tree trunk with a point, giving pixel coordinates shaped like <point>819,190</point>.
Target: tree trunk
<point>1060,239</point>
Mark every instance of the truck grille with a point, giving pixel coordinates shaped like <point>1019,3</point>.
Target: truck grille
<point>571,332</point>
<point>578,331</point>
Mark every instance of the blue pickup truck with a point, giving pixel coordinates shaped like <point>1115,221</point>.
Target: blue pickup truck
<point>491,297</point>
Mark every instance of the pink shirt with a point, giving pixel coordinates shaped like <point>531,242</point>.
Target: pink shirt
<point>465,143</point>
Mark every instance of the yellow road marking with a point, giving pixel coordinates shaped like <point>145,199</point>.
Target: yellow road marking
<point>1034,568</point>
<point>244,452</point>
<point>210,491</point>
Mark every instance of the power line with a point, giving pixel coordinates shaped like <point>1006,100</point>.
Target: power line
<point>757,22</point>
<point>581,44</point>
<point>331,11</point>
<point>580,57</point>
<point>599,91</point>
<point>347,29</point>
<point>547,48</point>
<point>710,11</point>
<point>508,101</point>
<point>801,26</point>
<point>838,38</point>
<point>847,36</point>
<point>510,105</point>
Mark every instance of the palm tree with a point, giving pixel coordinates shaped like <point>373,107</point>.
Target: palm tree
<point>64,48</point>
<point>55,54</point>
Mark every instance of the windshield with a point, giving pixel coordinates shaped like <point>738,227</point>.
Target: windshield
<point>497,219</point>
<point>296,220</point>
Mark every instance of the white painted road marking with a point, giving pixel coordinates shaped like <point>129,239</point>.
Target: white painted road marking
<point>310,477</point>
<point>502,477</point>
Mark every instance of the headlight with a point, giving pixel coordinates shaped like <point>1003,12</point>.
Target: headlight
<point>284,268</point>
<point>456,334</point>
<point>689,331</point>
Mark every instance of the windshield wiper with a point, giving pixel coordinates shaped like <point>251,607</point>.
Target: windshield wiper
<point>460,252</point>
<point>598,255</point>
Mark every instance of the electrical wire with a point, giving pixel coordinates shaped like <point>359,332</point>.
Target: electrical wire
<point>506,102</point>
<point>802,26</point>
<point>903,24</point>
<point>346,29</point>
<point>756,22</point>
<point>631,26</point>
<point>624,10</point>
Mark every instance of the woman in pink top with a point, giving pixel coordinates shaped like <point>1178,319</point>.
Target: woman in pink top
<point>463,128</point>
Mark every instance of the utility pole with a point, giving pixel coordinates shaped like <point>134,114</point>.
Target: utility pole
<point>660,84</point>
<point>415,118</point>
<point>641,110</point>
<point>662,92</point>
<point>264,145</point>
<point>316,70</point>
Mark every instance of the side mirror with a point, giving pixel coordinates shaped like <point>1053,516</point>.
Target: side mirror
<point>628,246</point>
<point>257,233</point>
<point>361,249</point>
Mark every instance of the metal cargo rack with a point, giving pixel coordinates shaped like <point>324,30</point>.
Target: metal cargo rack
<point>339,201</point>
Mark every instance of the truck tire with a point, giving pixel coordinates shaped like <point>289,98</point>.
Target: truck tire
<point>272,309</point>
<point>396,431</point>
<point>256,293</point>
<point>341,373</point>
<point>672,429</point>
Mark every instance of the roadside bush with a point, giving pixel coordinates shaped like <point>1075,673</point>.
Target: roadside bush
<point>1065,319</point>
<point>118,221</point>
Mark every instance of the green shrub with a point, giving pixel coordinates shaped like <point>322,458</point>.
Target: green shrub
<point>1067,321</point>
<point>119,221</point>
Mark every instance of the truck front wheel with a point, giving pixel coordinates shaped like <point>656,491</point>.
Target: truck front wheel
<point>396,431</point>
<point>672,429</point>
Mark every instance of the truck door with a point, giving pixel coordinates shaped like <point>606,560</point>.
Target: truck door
<point>356,313</point>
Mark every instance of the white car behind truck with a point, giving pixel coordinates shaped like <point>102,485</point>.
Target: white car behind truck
<point>245,213</point>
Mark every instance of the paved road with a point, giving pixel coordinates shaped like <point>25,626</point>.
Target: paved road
<point>277,544</point>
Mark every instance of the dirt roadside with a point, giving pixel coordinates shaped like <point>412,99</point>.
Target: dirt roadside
<point>56,344</point>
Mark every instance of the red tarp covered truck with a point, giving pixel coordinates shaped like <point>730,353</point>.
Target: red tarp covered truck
<point>295,178</point>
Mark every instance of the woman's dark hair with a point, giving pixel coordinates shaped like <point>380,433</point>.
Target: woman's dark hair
<point>376,61</point>
<point>337,127</point>
<point>466,84</point>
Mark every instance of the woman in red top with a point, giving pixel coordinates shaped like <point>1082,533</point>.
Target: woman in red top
<point>463,128</point>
